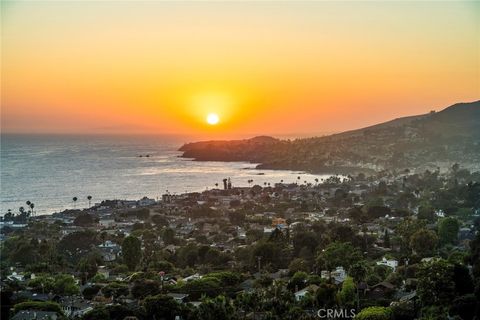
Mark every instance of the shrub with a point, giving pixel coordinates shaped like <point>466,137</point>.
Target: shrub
<point>374,313</point>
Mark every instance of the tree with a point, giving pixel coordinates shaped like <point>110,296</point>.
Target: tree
<point>65,285</point>
<point>74,201</point>
<point>98,313</point>
<point>386,239</point>
<point>88,265</point>
<point>213,309</point>
<point>91,291</point>
<point>358,272</point>
<point>463,281</point>
<point>448,230</point>
<point>247,301</point>
<point>188,255</point>
<point>298,281</point>
<point>89,198</point>
<point>43,284</point>
<point>347,295</point>
<point>118,311</point>
<point>407,228</point>
<point>298,264</point>
<point>168,236</point>
<point>38,306</point>
<point>325,295</point>
<point>131,251</point>
<point>161,307</point>
<point>267,252</point>
<point>76,245</point>
<point>115,289</point>
<point>423,242</point>
<point>84,220</point>
<point>374,313</point>
<point>145,287</point>
<point>304,240</point>
<point>464,306</point>
<point>426,212</point>
<point>436,285</point>
<point>159,220</point>
<point>338,254</point>
<point>210,287</point>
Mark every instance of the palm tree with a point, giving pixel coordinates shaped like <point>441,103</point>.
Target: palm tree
<point>32,205</point>
<point>216,185</point>
<point>28,204</point>
<point>89,201</point>
<point>74,201</point>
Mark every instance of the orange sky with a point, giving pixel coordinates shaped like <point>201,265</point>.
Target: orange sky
<point>268,67</point>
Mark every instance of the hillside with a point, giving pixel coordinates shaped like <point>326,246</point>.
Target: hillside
<point>437,139</point>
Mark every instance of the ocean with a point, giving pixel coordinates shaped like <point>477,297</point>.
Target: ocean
<point>49,170</point>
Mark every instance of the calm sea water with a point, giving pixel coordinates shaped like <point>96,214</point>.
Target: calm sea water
<point>51,170</point>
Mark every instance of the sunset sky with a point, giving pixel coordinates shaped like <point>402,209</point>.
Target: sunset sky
<point>262,67</point>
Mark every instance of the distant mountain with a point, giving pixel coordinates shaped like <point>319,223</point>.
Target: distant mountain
<point>436,139</point>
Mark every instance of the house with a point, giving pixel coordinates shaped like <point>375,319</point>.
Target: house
<point>299,295</point>
<point>31,296</point>
<point>16,277</point>
<point>107,222</point>
<point>195,276</point>
<point>109,251</point>
<point>440,213</point>
<point>267,231</point>
<point>74,307</point>
<point>381,290</point>
<point>171,248</point>
<point>409,296</point>
<point>339,275</point>
<point>392,263</point>
<point>35,315</point>
<point>247,285</point>
<point>146,202</point>
<point>466,234</point>
<point>325,274</point>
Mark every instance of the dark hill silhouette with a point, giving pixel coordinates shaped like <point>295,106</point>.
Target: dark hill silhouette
<point>421,142</point>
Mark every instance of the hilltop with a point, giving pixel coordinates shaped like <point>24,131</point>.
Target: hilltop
<point>432,140</point>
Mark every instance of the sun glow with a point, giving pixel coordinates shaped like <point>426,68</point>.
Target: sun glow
<point>212,119</point>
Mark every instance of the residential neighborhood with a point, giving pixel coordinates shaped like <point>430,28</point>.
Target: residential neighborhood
<point>396,243</point>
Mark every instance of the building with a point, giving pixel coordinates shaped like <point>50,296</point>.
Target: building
<point>392,263</point>
<point>339,275</point>
<point>299,295</point>
<point>35,315</point>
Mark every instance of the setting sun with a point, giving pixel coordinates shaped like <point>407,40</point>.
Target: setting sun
<point>212,118</point>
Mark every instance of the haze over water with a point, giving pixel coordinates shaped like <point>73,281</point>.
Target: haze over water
<point>51,170</point>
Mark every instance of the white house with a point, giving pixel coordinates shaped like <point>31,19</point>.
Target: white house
<point>339,275</point>
<point>299,295</point>
<point>392,263</point>
<point>195,276</point>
